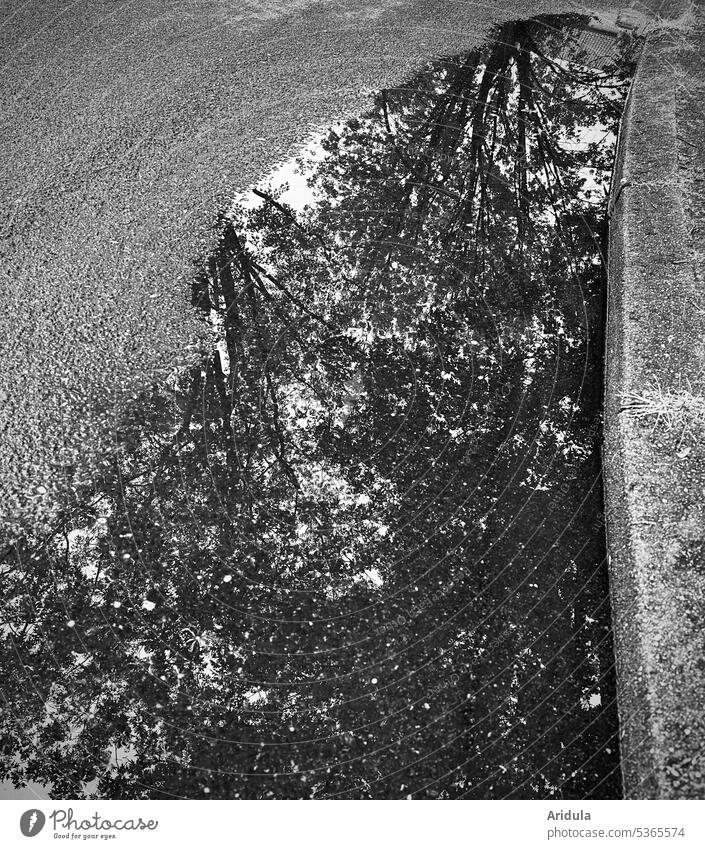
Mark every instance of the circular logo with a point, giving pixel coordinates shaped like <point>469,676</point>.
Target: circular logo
<point>32,822</point>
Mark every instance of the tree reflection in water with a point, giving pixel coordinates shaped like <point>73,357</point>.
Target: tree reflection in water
<point>357,551</point>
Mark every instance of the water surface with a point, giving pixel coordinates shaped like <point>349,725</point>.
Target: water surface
<point>357,551</point>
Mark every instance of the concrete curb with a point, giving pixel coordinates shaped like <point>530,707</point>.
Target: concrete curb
<point>655,476</point>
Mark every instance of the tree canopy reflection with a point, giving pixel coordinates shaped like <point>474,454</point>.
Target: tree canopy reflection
<point>356,551</point>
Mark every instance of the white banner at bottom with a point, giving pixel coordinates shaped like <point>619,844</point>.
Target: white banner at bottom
<point>353,825</point>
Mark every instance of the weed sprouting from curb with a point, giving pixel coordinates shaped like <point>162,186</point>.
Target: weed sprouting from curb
<point>683,24</point>
<point>675,409</point>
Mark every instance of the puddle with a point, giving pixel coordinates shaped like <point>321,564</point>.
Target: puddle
<point>358,551</point>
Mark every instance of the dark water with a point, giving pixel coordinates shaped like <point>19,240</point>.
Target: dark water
<point>358,550</point>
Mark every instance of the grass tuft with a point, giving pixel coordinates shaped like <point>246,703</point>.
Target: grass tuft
<point>683,24</point>
<point>675,409</point>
